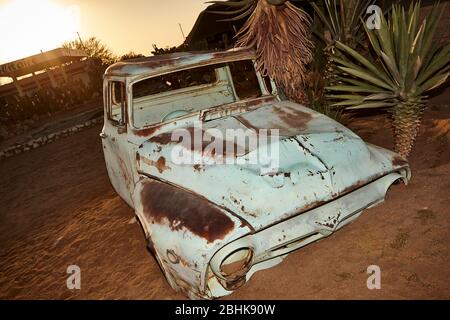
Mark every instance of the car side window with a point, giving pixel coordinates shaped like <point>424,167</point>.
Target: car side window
<point>117,102</point>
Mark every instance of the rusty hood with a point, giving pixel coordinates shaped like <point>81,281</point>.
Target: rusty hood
<point>318,160</point>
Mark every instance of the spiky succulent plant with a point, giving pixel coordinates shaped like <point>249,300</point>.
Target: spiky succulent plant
<point>280,33</point>
<point>341,21</point>
<point>408,62</point>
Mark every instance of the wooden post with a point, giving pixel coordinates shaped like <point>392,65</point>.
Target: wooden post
<point>61,67</point>
<point>16,83</point>
<point>52,78</point>
<point>36,80</point>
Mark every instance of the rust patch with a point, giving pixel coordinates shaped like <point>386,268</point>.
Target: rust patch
<point>160,164</point>
<point>163,138</point>
<point>124,171</point>
<point>288,120</point>
<point>138,158</point>
<point>330,223</point>
<point>145,132</point>
<point>237,107</point>
<point>294,118</point>
<point>247,123</point>
<point>166,138</point>
<point>185,263</point>
<point>358,184</point>
<point>183,210</point>
<point>399,161</point>
<point>206,141</point>
<point>257,102</point>
<point>312,205</point>
<point>158,63</point>
<point>151,63</point>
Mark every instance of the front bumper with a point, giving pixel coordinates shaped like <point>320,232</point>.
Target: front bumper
<point>271,245</point>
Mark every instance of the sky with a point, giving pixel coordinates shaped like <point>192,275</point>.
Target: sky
<point>29,26</point>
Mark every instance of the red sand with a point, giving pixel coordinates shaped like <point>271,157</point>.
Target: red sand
<point>59,209</point>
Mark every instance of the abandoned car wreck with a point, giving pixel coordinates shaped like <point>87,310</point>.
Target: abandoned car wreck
<point>212,222</point>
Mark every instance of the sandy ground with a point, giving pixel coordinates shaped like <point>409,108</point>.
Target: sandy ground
<point>59,209</point>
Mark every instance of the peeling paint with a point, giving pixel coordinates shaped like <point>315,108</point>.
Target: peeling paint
<point>160,164</point>
<point>293,117</point>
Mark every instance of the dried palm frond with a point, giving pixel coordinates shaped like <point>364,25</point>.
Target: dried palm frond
<point>281,37</point>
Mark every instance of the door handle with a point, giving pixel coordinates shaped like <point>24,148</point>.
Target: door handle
<point>103,135</point>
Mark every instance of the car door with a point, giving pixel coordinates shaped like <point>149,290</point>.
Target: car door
<point>115,139</point>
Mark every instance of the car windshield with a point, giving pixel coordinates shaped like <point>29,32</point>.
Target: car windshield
<point>175,94</point>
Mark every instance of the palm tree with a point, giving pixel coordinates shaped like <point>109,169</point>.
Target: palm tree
<point>280,33</point>
<point>408,62</point>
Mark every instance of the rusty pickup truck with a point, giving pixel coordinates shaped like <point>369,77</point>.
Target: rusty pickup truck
<point>226,176</point>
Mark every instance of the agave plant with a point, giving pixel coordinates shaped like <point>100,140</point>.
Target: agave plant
<point>342,19</point>
<point>408,62</point>
<point>337,20</point>
<point>334,20</point>
<point>280,33</point>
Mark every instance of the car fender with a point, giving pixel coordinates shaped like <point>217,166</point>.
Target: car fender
<point>183,231</point>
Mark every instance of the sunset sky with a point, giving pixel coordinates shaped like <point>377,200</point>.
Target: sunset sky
<point>28,26</point>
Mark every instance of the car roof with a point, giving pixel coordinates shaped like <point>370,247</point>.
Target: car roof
<point>144,67</point>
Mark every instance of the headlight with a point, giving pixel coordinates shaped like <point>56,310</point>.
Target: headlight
<point>236,265</point>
